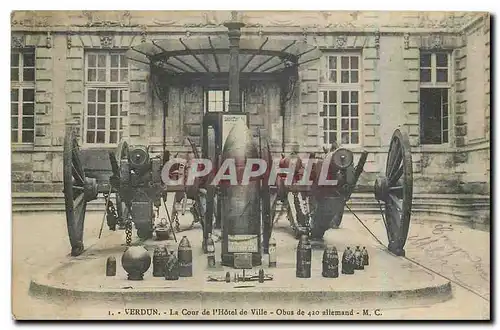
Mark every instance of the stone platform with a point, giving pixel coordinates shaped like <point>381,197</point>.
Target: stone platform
<point>388,280</point>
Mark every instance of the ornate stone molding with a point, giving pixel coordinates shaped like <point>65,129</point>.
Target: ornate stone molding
<point>18,41</point>
<point>377,40</point>
<point>107,41</point>
<point>436,42</point>
<point>94,20</point>
<point>144,33</point>
<point>406,39</point>
<point>48,40</point>
<point>69,40</point>
<point>340,42</point>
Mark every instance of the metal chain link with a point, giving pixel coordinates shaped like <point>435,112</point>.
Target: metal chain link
<point>128,232</point>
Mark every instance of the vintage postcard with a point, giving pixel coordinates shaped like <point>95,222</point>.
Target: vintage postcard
<point>185,165</point>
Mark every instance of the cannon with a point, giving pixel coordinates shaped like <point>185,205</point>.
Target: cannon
<point>129,172</point>
<point>321,207</point>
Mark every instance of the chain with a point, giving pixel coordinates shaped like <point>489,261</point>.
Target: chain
<point>128,232</point>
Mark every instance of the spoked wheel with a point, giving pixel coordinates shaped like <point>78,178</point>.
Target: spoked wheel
<point>395,189</point>
<point>121,209</point>
<point>78,190</point>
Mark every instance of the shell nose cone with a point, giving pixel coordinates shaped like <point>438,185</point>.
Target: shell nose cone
<point>239,143</point>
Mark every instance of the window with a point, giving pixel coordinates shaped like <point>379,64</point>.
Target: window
<point>22,106</point>
<point>218,100</point>
<point>339,100</point>
<point>106,94</point>
<point>434,97</point>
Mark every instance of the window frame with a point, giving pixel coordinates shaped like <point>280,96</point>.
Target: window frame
<point>434,84</point>
<point>224,89</point>
<point>339,87</point>
<point>107,86</point>
<point>22,85</point>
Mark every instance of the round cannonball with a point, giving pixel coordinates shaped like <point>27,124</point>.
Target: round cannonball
<point>136,261</point>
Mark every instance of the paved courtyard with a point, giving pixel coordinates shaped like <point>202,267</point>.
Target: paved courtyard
<point>459,253</point>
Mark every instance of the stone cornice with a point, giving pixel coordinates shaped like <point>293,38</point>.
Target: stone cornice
<point>312,21</point>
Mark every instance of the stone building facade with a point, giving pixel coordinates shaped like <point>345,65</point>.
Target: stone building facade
<point>427,73</point>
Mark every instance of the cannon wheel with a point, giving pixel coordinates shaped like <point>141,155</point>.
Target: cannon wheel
<point>395,189</point>
<point>121,152</point>
<point>74,192</point>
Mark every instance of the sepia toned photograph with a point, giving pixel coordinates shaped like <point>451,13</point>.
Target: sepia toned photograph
<point>250,165</point>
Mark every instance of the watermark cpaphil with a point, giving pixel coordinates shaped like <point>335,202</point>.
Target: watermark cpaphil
<point>180,171</point>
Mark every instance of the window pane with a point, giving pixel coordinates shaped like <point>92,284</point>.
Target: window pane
<point>345,111</point>
<point>14,94</point>
<point>29,75</point>
<point>91,109</point>
<point>442,60</point>
<point>354,110</point>
<point>101,75</point>
<point>29,59</point>
<point>14,122</point>
<point>14,108</point>
<point>354,137</point>
<point>100,137</point>
<point>14,59</point>
<point>101,123</point>
<point>112,123</point>
<point>114,74</point>
<point>344,125</point>
<point>333,111</point>
<point>28,136</point>
<point>354,124</point>
<point>92,60</point>
<point>101,109</point>
<point>344,77</point>
<point>445,123</point>
<point>345,138</point>
<point>14,74</point>
<point>431,115</point>
<point>28,95</point>
<point>13,136</point>
<point>333,76</point>
<point>113,138</point>
<point>123,61</point>
<point>325,137</point>
<point>354,97</point>
<point>28,122</point>
<point>91,75</point>
<point>345,97</point>
<point>114,61</point>
<point>91,123</point>
<point>332,62</point>
<point>354,76</point>
<point>114,109</point>
<point>325,97</point>
<point>332,137</point>
<point>325,123</point>
<point>101,61</point>
<point>354,62</point>
<point>425,60</point>
<point>333,124</point>
<point>425,75</point>
<point>445,137</point>
<point>114,95</point>
<point>91,95</point>
<point>101,95</point>
<point>91,137</point>
<point>332,95</point>
<point>344,62</point>
<point>441,75</point>
<point>28,109</point>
